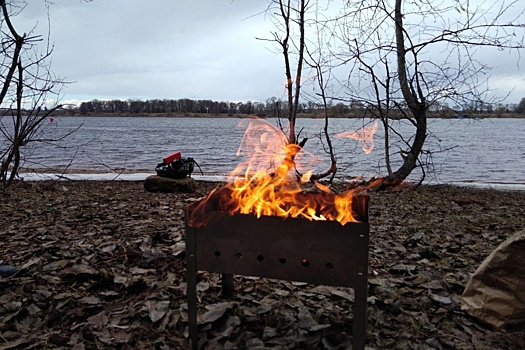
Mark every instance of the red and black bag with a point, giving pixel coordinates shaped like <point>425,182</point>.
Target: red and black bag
<point>178,168</point>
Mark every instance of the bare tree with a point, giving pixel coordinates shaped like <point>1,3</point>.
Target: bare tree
<point>287,15</point>
<point>29,90</point>
<point>402,60</point>
<point>320,63</point>
<point>291,18</point>
<point>405,57</point>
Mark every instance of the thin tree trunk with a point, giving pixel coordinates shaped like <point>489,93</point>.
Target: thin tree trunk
<point>285,14</point>
<point>298,72</point>
<point>384,120</point>
<point>19,42</point>
<point>417,108</point>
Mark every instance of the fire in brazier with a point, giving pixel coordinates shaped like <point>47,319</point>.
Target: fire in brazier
<point>240,228</point>
<point>270,182</point>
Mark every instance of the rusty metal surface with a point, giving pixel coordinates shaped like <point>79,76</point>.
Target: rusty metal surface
<point>317,252</point>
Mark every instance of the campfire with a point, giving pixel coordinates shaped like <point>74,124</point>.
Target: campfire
<point>270,182</point>
<point>262,223</point>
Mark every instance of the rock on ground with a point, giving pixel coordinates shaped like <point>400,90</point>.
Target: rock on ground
<point>155,183</point>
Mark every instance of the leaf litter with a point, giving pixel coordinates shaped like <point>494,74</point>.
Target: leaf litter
<point>101,265</point>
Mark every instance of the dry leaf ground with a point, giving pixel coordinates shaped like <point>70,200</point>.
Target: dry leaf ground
<point>102,267</point>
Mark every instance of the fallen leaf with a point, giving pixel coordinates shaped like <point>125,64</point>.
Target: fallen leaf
<point>215,311</point>
<point>157,309</point>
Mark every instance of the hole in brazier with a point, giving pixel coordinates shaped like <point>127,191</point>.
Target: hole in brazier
<point>305,263</point>
<point>217,253</point>
<point>238,256</point>
<point>260,258</point>
<point>282,260</point>
<point>329,266</point>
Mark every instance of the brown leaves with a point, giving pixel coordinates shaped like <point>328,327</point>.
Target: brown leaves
<point>214,312</point>
<point>96,267</point>
<point>157,309</point>
<point>102,266</point>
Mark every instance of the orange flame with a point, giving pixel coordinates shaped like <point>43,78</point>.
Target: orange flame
<point>268,183</point>
<point>366,135</point>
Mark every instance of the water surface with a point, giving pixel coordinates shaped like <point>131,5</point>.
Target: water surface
<point>485,151</point>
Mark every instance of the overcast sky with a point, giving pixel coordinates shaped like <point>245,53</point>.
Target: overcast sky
<point>199,49</point>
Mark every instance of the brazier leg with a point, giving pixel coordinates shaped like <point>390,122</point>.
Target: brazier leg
<point>359,323</point>
<point>192,310</point>
<point>361,292</point>
<point>227,285</point>
<point>191,289</point>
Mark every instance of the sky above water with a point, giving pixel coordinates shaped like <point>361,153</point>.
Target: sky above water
<point>205,49</point>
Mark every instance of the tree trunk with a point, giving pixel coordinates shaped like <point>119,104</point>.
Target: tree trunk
<point>410,159</point>
<point>417,107</point>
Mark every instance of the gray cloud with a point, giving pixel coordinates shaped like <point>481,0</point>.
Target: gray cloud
<point>175,49</point>
<point>161,49</point>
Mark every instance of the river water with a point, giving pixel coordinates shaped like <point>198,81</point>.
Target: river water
<point>486,152</point>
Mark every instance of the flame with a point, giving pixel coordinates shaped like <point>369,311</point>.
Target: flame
<point>366,135</point>
<point>268,183</point>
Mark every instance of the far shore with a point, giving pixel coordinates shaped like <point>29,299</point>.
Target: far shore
<point>268,116</point>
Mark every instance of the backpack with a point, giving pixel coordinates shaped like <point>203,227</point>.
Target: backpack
<point>177,169</point>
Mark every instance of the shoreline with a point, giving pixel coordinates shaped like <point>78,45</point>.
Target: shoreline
<point>141,176</point>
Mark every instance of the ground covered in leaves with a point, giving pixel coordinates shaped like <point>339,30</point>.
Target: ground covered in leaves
<point>102,266</point>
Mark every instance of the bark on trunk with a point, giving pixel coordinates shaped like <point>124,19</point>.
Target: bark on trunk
<point>417,106</point>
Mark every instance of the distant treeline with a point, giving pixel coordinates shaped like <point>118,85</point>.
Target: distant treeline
<point>272,107</point>
<point>186,105</point>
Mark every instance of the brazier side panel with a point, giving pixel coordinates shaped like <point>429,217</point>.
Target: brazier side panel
<point>319,252</point>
